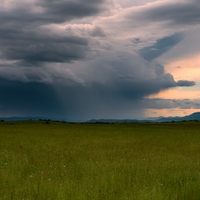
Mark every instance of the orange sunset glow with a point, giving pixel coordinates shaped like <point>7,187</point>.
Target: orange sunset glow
<point>170,112</point>
<point>188,69</point>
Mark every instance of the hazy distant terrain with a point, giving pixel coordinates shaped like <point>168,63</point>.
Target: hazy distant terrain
<point>194,116</point>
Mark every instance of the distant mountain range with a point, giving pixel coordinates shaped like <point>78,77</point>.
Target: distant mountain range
<point>194,116</point>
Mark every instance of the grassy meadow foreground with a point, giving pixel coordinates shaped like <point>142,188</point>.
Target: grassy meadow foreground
<point>136,161</point>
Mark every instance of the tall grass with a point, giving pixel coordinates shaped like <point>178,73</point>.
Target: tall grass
<point>60,161</point>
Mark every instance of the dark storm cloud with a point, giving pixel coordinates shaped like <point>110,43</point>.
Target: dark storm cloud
<point>103,97</point>
<point>108,99</point>
<point>161,46</point>
<point>59,11</point>
<point>137,89</point>
<point>31,51</point>
<point>177,13</point>
<point>50,11</point>
<point>76,102</point>
<point>172,14</point>
<point>25,99</point>
<point>23,39</point>
<point>31,47</point>
<point>185,83</point>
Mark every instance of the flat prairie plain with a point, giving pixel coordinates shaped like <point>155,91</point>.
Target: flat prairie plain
<point>128,161</point>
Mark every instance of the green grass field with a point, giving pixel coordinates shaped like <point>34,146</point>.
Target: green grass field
<point>136,161</point>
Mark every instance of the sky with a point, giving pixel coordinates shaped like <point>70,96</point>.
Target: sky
<point>89,59</point>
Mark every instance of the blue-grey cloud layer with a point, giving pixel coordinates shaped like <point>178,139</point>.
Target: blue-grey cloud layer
<point>161,46</point>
